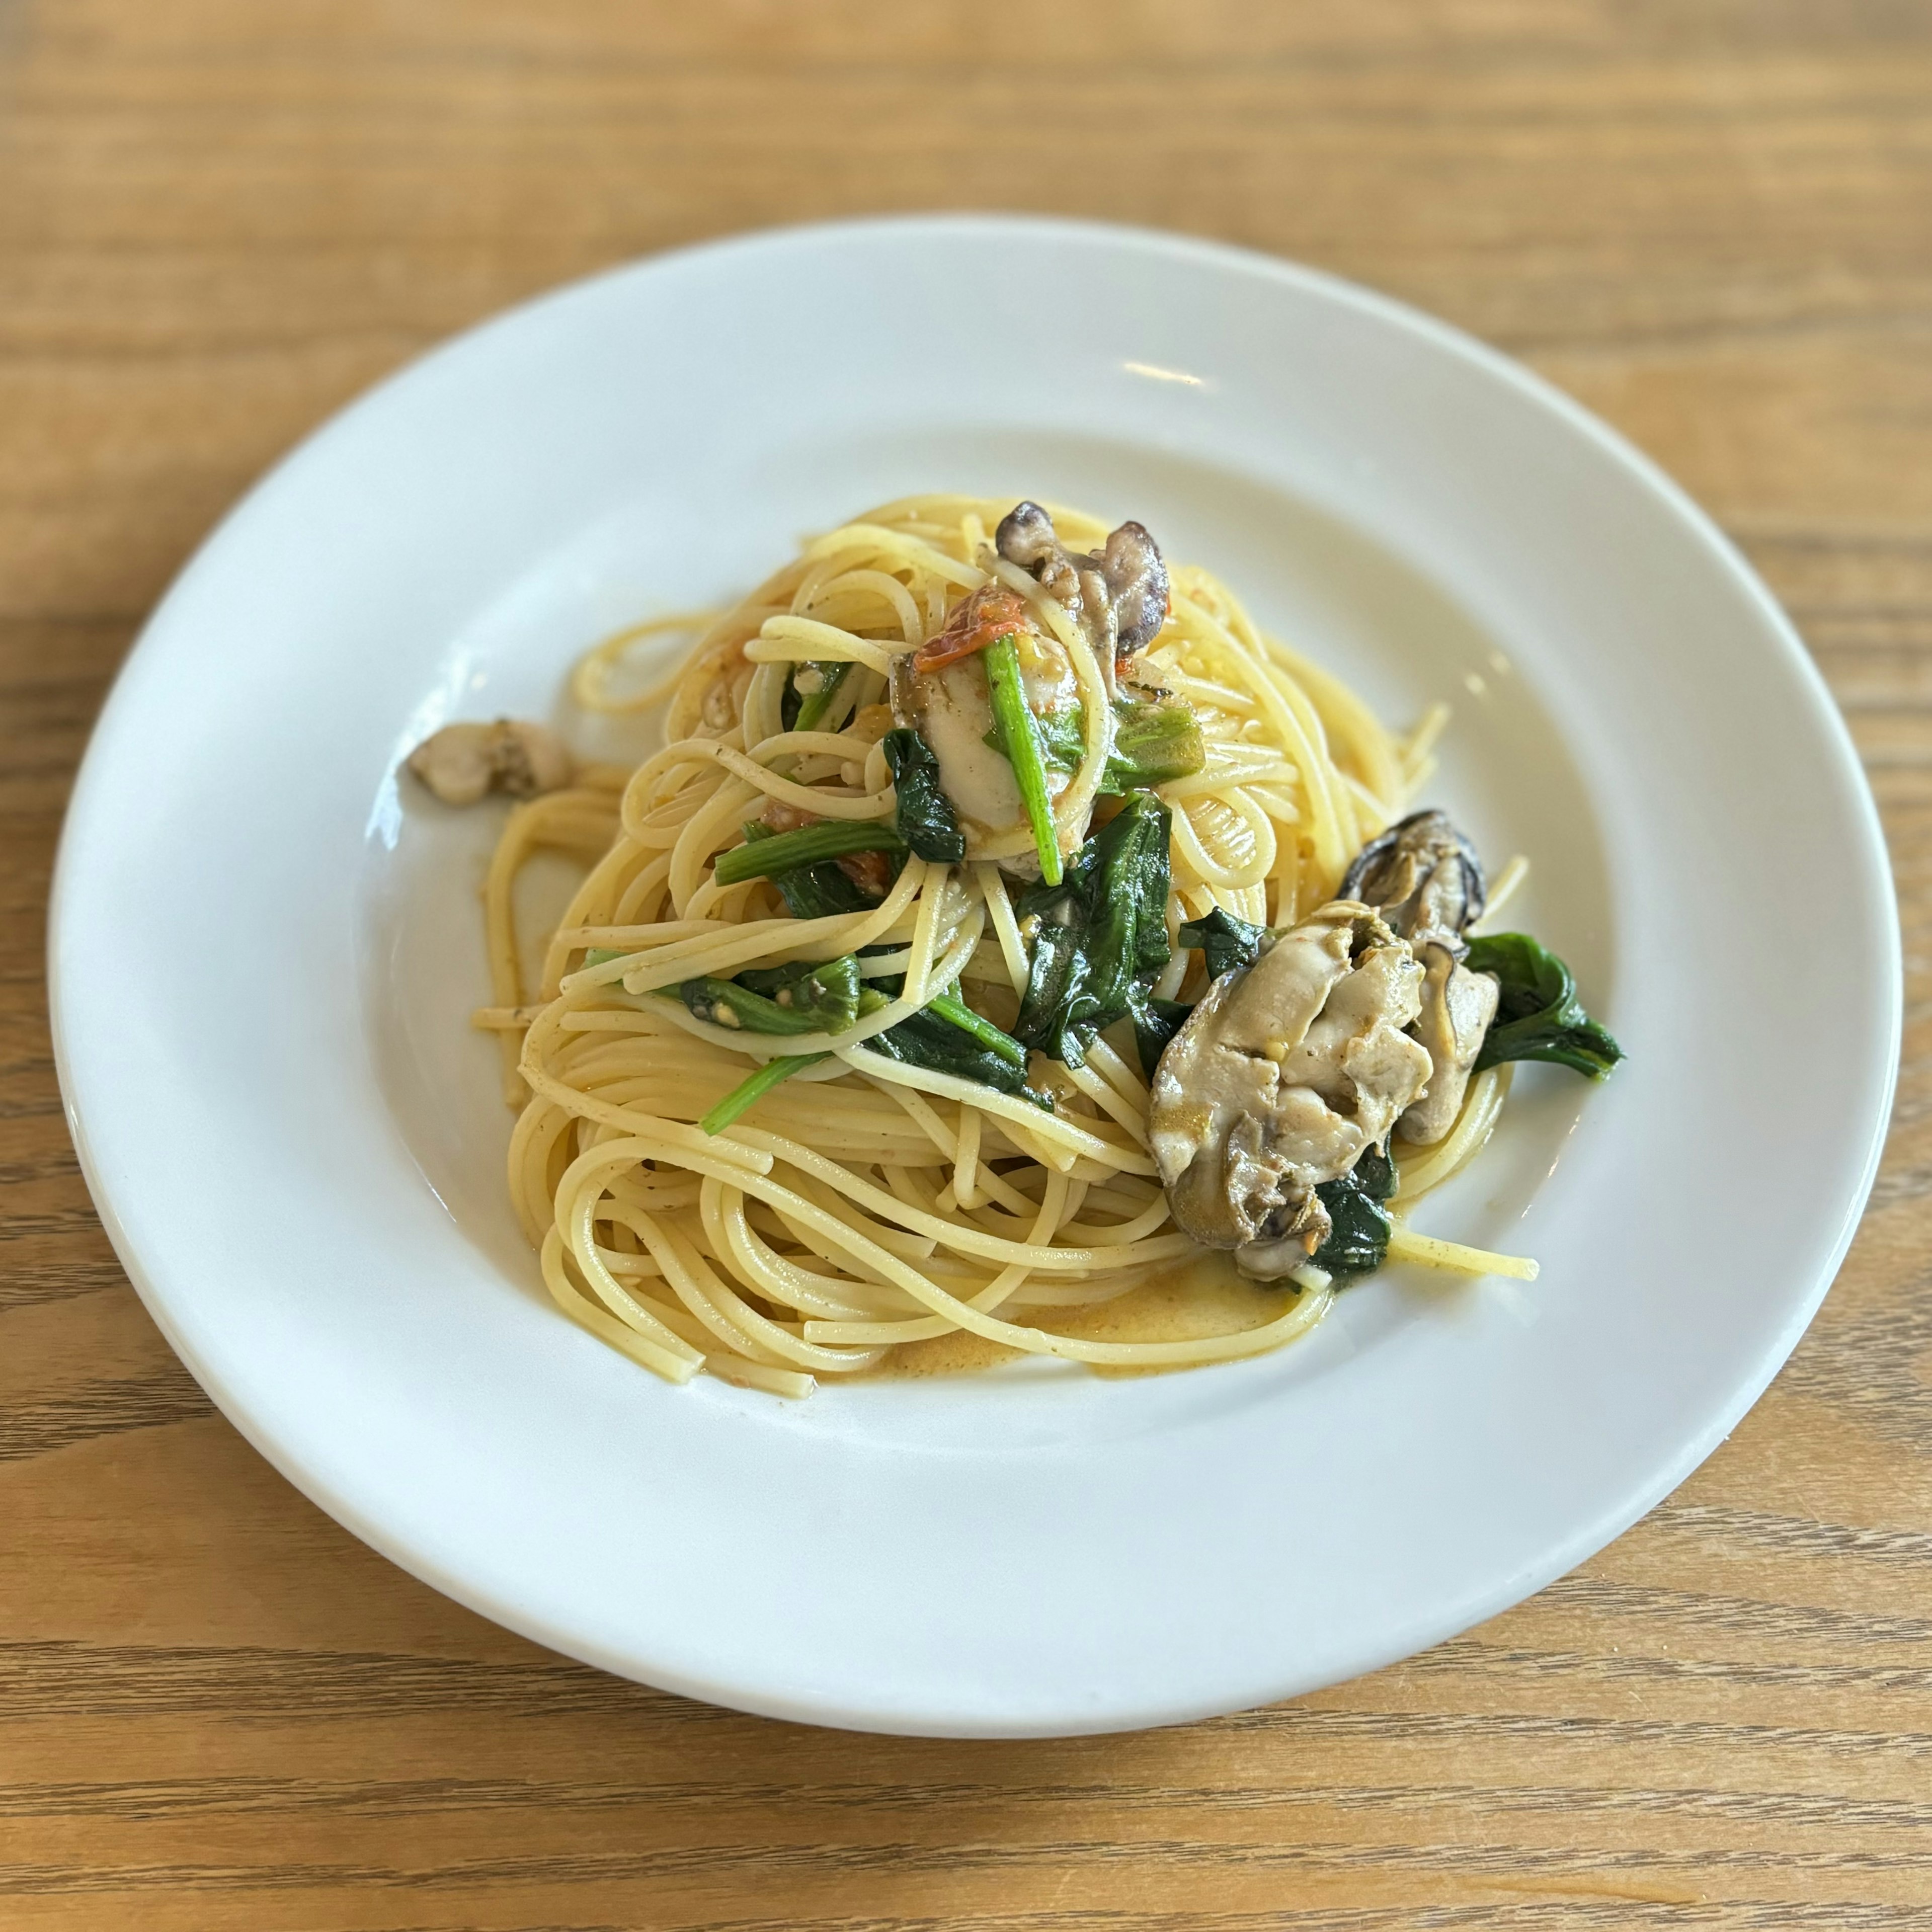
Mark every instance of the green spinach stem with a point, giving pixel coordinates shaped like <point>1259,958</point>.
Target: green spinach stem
<point>760,1081</point>
<point>1020,740</point>
<point>830,839</point>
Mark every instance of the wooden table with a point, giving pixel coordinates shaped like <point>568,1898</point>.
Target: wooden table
<point>1711,222</point>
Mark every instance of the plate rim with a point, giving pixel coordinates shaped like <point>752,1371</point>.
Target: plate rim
<point>1876,883</point>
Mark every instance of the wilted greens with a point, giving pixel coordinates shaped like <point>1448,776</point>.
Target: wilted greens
<point>1156,1022</point>
<point>1018,731</point>
<point>1227,942</point>
<point>1099,937</point>
<point>938,1042</point>
<point>1539,1016</point>
<point>925,819</point>
<point>811,709</point>
<point>814,891</point>
<point>803,997</point>
<point>765,853</point>
<point>1358,1237</point>
<point>1152,743</point>
<point>760,1081</point>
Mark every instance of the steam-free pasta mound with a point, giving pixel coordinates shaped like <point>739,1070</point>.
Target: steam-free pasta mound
<point>1007,928</point>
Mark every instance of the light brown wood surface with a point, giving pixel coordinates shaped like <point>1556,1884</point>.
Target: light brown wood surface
<point>219,219</point>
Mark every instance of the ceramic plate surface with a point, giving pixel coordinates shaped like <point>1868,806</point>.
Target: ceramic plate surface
<point>264,953</point>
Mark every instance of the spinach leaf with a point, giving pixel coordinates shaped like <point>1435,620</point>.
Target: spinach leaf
<point>827,991</point>
<point>1063,737</point>
<point>1358,1238</point>
<point>760,1081</point>
<point>928,1039</point>
<point>925,819</point>
<point>1152,742</point>
<point>765,853</point>
<point>1539,1016</point>
<point>1156,1022</point>
<point>1228,942</point>
<point>808,998</point>
<point>811,891</point>
<point>1099,935</point>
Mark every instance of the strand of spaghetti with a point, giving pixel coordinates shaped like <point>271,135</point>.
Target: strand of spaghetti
<point>924,555</point>
<point>1305,1312</point>
<point>496,1019</point>
<point>1209,783</point>
<point>1421,741</point>
<point>774,939</point>
<point>928,1328</point>
<point>1211,871</point>
<point>1406,1245</point>
<point>1508,882</point>
<point>773,1336</point>
<point>1013,948</point>
<point>778,1278</point>
<point>685,1273</point>
<point>1295,724</point>
<point>589,678</point>
<point>928,1122</point>
<point>521,831</point>
<point>1427,1168</point>
<point>881,584</point>
<point>820,799</point>
<point>594,893</point>
<point>1381,758</point>
<point>1205,691</point>
<point>1124,1233</point>
<point>540,1128</point>
<point>789,640</point>
<point>1333,825</point>
<point>962,1236</point>
<point>924,933</point>
<point>1127,1079</point>
<point>1031,1121</point>
<point>674,1368</point>
<point>728,1146</point>
<point>845,747</point>
<point>993,1186</point>
<point>630,938</point>
<point>712,825</point>
<point>1102,1093</point>
<point>893,1238</point>
<point>965,1157</point>
<point>576,1195</point>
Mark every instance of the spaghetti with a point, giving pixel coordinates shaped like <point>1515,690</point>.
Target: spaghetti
<point>775,1206</point>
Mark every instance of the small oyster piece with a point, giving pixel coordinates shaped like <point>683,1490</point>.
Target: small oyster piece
<point>462,762</point>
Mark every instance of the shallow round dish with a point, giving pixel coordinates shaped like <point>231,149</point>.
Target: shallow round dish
<point>264,952</point>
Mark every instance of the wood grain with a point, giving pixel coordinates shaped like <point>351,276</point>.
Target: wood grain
<point>1710,221</point>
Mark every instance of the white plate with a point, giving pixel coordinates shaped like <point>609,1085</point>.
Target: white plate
<point>263,955</point>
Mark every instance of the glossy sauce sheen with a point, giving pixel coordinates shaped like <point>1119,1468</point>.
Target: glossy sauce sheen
<point>1202,1294</point>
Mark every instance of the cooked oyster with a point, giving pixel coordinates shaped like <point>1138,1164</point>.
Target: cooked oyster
<point>1423,876</point>
<point>1282,1074</point>
<point>1117,595</point>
